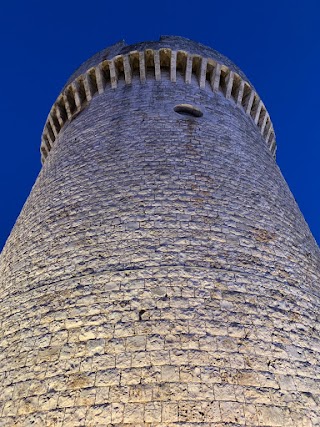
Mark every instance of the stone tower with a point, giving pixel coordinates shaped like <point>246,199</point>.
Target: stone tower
<point>160,272</point>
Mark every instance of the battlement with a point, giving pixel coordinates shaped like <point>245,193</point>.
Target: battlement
<point>164,63</point>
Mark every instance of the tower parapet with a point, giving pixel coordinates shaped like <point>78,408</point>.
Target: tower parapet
<point>156,60</point>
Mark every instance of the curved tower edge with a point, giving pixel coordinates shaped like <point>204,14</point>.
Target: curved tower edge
<point>137,66</point>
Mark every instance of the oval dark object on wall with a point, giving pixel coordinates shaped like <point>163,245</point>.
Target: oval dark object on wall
<point>188,110</point>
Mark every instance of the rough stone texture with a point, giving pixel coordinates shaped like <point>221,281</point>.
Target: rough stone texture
<point>160,274</point>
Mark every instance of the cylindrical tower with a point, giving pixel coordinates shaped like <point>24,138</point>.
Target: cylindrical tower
<point>160,272</point>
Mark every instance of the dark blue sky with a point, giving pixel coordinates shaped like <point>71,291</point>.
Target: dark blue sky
<point>276,43</point>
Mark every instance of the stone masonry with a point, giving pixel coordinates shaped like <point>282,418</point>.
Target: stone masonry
<point>160,273</point>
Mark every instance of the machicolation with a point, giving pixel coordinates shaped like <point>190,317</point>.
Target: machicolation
<point>137,66</point>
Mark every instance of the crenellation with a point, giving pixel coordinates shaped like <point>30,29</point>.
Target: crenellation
<point>70,96</point>
<point>53,128</point>
<point>223,80</point>
<point>269,135</point>
<point>127,69</point>
<point>255,106</point>
<point>203,73</point>
<point>75,88</point>
<point>173,66</point>
<point>196,67</point>
<point>250,102</point>
<point>47,147</point>
<point>258,112</point>
<point>264,117</point>
<point>157,70</point>
<point>241,93</point>
<point>149,61</point>
<point>216,77</point>
<point>89,88</point>
<point>95,79</point>
<point>142,67</point>
<point>119,67</point>
<point>100,78</point>
<point>113,74</point>
<point>59,113</point>
<point>133,56</point>
<point>67,106</point>
<point>267,129</point>
<point>165,58</point>
<point>235,87</point>
<point>188,69</point>
<point>273,143</point>
<point>230,81</point>
<point>182,61</point>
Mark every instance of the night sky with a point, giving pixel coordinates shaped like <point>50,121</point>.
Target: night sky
<point>275,43</point>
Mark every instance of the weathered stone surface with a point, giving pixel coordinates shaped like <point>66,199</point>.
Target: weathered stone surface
<point>160,272</point>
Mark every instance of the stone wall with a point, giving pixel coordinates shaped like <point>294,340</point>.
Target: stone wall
<point>160,273</point>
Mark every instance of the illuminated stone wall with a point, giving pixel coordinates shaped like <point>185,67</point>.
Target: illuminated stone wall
<point>160,272</point>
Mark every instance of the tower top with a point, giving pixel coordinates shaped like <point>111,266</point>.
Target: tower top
<point>173,58</point>
<point>172,42</point>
